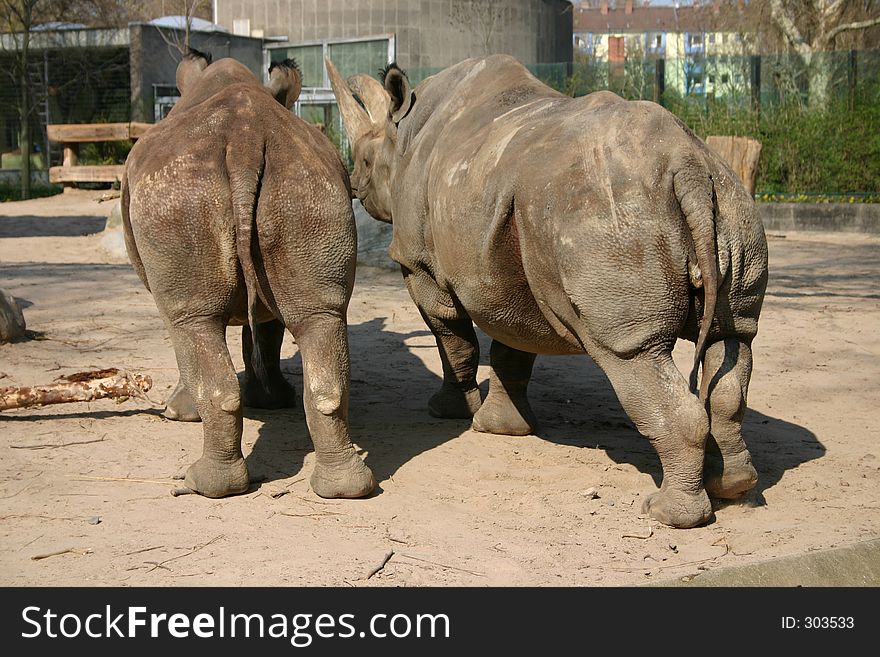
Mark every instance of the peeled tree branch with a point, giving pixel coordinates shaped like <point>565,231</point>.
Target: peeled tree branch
<point>78,387</point>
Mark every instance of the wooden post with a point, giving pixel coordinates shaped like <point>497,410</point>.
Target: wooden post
<point>71,159</point>
<point>741,154</point>
<point>756,82</point>
<point>659,80</point>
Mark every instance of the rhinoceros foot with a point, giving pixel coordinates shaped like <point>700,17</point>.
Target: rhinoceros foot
<point>678,508</point>
<point>729,476</point>
<point>181,406</point>
<point>347,478</point>
<point>451,402</point>
<point>501,415</point>
<point>278,393</point>
<point>213,478</point>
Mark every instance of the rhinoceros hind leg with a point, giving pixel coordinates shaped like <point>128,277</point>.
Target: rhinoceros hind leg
<point>213,478</point>
<point>656,397</point>
<point>205,366</point>
<point>678,508</point>
<point>339,470</point>
<point>273,390</point>
<point>506,409</point>
<point>451,402</point>
<point>728,471</point>
<point>181,406</point>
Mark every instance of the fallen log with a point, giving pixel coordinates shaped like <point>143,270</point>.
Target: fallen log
<point>78,387</point>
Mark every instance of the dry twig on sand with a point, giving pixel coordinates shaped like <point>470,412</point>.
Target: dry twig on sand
<point>78,387</point>
<point>375,569</point>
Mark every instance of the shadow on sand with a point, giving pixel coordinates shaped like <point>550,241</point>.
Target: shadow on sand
<point>390,386</point>
<point>571,396</point>
<point>28,226</point>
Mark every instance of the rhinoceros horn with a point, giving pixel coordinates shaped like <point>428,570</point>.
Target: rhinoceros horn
<point>356,119</point>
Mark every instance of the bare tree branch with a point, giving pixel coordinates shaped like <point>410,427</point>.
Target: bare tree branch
<point>858,25</point>
<point>789,29</point>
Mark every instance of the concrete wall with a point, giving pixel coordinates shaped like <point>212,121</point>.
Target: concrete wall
<point>429,33</point>
<point>154,60</point>
<point>847,217</point>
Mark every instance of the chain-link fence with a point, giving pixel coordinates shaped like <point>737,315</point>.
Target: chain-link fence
<point>817,118</point>
<point>71,85</point>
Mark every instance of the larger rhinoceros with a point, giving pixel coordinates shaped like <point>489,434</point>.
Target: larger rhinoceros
<point>562,226</point>
<point>235,211</point>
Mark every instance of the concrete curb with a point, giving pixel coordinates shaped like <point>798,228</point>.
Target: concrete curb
<point>853,565</point>
<point>842,217</point>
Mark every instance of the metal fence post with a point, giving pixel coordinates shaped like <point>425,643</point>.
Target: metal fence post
<point>659,80</point>
<point>756,81</point>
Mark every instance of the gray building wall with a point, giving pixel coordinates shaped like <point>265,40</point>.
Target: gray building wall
<point>429,33</point>
<point>154,60</point>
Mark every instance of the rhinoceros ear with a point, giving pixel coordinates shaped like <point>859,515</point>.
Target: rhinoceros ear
<point>402,96</point>
<point>285,82</point>
<point>190,68</point>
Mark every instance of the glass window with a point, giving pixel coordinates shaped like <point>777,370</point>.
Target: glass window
<point>310,60</point>
<point>359,57</point>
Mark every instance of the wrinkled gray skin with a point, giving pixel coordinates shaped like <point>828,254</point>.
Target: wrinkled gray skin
<point>564,226</point>
<point>236,212</point>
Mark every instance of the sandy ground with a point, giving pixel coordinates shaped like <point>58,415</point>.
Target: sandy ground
<point>456,507</point>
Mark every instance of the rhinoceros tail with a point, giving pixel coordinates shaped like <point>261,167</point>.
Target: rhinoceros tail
<point>130,246</point>
<point>244,181</point>
<point>695,192</point>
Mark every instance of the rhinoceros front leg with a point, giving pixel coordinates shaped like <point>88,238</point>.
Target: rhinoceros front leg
<point>207,371</point>
<point>339,471</point>
<point>506,409</point>
<point>728,469</point>
<point>459,396</point>
<point>265,387</point>
<point>656,397</point>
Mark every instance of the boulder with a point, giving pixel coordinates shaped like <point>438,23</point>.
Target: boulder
<point>11,318</point>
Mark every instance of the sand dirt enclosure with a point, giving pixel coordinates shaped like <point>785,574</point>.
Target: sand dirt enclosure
<point>89,483</point>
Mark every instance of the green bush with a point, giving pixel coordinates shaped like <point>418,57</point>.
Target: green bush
<point>805,152</point>
<point>12,191</point>
<point>104,152</point>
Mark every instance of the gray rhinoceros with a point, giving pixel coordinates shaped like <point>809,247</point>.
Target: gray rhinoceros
<point>235,211</point>
<point>562,226</point>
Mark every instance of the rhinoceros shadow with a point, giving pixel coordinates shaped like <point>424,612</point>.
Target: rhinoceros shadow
<point>66,226</point>
<point>390,386</point>
<point>571,396</point>
<point>576,405</point>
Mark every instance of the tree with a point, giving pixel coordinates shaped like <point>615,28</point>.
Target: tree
<point>19,18</point>
<point>812,27</point>
<point>179,43</point>
<point>480,18</point>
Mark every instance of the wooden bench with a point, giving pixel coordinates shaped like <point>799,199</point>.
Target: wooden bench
<point>71,135</point>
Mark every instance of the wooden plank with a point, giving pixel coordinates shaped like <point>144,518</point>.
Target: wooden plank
<point>103,173</point>
<point>137,130</point>
<point>80,132</point>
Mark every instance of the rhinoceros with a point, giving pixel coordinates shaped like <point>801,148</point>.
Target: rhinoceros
<point>564,225</point>
<point>236,212</point>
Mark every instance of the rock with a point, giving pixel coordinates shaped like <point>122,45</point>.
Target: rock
<point>590,494</point>
<point>374,237</point>
<point>112,239</point>
<point>114,219</point>
<point>12,323</point>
